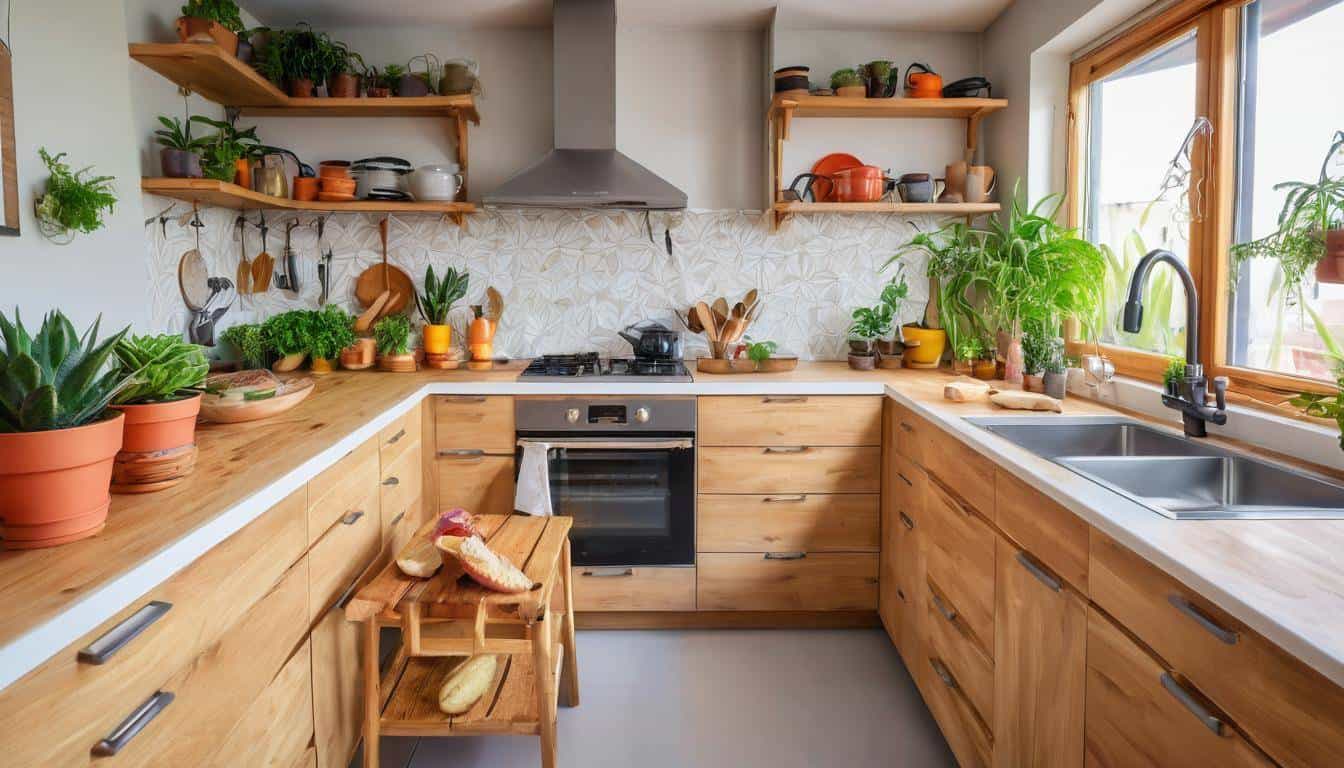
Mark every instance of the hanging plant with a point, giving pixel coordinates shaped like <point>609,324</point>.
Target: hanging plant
<point>74,201</point>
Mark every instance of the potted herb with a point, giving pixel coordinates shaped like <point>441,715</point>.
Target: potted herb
<point>178,156</point>
<point>249,344</point>
<point>345,74</point>
<point>1173,376</point>
<point>287,335</point>
<point>58,438</point>
<point>73,201</point>
<point>870,324</point>
<point>1310,231</point>
<point>159,446</point>
<point>759,352</point>
<point>875,77</point>
<point>848,83</point>
<point>330,330</point>
<point>217,21</point>
<point>967,352</point>
<point>225,155</point>
<point>1036,352</point>
<point>298,58</point>
<point>382,82</point>
<point>1056,378</point>
<point>392,335</point>
<point>434,305</point>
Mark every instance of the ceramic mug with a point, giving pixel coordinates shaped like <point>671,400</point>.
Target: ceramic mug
<point>917,187</point>
<point>980,183</point>
<point>955,188</point>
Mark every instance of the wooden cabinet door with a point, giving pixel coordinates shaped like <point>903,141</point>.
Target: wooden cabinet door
<point>888,603</point>
<point>338,704</point>
<point>482,484</point>
<point>1040,664</point>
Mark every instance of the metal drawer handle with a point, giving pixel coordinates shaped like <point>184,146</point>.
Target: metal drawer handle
<point>116,638</point>
<point>905,479</point>
<point>392,481</point>
<point>396,519</point>
<point>462,453</point>
<point>901,594</point>
<point>1186,607</point>
<point>906,521</point>
<point>133,724</point>
<point>400,434</point>
<point>347,595</point>
<point>465,399</point>
<point>787,449</point>
<point>352,518</point>
<point>938,603</point>
<point>785,555</point>
<point>784,400</point>
<point>943,674</point>
<point>785,499</point>
<point>607,573</point>
<point>1188,701</point>
<point>1036,570</point>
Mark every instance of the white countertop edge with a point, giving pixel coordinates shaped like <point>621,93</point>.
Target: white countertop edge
<point>1085,498</point>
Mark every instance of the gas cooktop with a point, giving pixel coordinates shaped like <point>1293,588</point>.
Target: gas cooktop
<point>589,365</point>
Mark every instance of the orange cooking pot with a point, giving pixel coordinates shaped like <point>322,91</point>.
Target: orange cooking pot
<point>922,82</point>
<point>864,184</point>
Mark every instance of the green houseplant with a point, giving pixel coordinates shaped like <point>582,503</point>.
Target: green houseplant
<point>221,151</point>
<point>869,324</point>
<point>73,202</point>
<point>435,303</point>
<point>179,153</point>
<point>217,21</point>
<point>1173,375</point>
<point>58,438</point>
<point>299,58</point>
<point>159,446</point>
<point>847,82</point>
<point>877,77</point>
<point>249,343</point>
<point>329,330</point>
<point>286,335</point>
<point>392,336</point>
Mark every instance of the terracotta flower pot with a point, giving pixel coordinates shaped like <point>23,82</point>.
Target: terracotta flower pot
<point>1033,382</point>
<point>984,369</point>
<point>159,448</point>
<point>300,87</point>
<point>379,92</point>
<point>180,164</point>
<point>863,362</point>
<point>242,172</point>
<point>323,366</point>
<point>397,363</point>
<point>438,339</point>
<point>1330,269</point>
<point>359,355</point>
<point>343,86</point>
<point>54,484</point>
<point>193,30</point>
<point>305,188</point>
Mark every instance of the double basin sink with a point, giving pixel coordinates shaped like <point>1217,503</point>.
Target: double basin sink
<point>1172,475</point>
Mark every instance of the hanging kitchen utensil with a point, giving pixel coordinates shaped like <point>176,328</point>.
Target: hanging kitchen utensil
<point>263,267</point>
<point>288,280</point>
<point>192,272</point>
<point>323,264</point>
<point>384,277</point>
<point>706,318</point>
<point>201,329</point>
<point>243,277</point>
<point>692,321</point>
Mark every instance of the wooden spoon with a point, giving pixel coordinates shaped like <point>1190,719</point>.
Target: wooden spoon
<point>243,277</point>
<point>706,318</point>
<point>263,266</point>
<point>739,310</point>
<point>720,306</point>
<point>365,321</point>
<point>750,298</point>
<point>693,321</point>
<point>733,329</point>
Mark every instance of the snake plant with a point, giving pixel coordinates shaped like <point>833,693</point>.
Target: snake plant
<point>440,295</point>
<point>167,365</point>
<point>56,380</point>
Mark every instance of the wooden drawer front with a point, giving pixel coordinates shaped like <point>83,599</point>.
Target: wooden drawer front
<point>1051,533</point>
<point>633,589</point>
<point>948,639</point>
<point>908,433</point>
<point>789,420</point>
<point>959,549</point>
<point>401,485</point>
<point>790,470</point>
<point>214,691</point>
<point>55,714</point>
<point>846,522</point>
<point>343,553</point>
<point>482,485</point>
<point>398,529</point>
<point>1133,719</point>
<point>277,727</point>
<point>342,488</point>
<point>905,483</point>
<point>817,582</point>
<point>400,436</point>
<point>960,467</point>
<point>338,704</point>
<point>473,422</point>
<point>1287,708</point>
<point>966,732</point>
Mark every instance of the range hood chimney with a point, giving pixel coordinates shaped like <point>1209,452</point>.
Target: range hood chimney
<point>585,170</point>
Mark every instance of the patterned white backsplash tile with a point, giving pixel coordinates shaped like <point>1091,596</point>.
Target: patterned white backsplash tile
<point>572,279</point>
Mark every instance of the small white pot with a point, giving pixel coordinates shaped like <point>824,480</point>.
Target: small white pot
<point>435,182</point>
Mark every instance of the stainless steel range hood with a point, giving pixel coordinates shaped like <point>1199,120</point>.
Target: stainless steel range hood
<point>585,170</point>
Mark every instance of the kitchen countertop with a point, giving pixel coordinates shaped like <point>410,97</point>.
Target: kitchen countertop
<point>1281,578</point>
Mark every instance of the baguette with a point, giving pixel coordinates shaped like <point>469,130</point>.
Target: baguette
<point>467,683</point>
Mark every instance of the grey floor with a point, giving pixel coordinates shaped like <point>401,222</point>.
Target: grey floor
<point>739,699</point>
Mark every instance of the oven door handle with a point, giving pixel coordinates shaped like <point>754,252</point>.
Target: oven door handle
<point>655,444</point>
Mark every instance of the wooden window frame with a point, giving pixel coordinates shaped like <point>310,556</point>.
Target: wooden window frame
<point>1213,159</point>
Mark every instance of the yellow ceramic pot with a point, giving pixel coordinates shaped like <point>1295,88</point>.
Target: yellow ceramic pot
<point>438,339</point>
<point>924,346</point>
<point>323,365</point>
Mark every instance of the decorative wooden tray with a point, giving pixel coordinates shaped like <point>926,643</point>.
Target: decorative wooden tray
<point>743,365</point>
<point>288,394</point>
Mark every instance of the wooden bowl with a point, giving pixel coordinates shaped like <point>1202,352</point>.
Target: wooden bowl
<point>778,364</point>
<point>289,394</point>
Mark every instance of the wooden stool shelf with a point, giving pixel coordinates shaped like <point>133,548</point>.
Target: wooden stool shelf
<point>444,620</point>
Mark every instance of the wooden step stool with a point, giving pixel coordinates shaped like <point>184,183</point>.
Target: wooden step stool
<point>444,620</point>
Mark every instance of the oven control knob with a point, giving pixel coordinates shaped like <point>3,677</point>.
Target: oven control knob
<point>572,415</point>
<point>642,415</point>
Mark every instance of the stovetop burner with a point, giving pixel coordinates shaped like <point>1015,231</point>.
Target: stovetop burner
<point>590,365</point>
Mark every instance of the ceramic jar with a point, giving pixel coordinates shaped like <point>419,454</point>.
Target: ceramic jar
<point>435,182</point>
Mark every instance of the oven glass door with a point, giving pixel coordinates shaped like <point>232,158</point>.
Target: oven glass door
<point>632,505</point>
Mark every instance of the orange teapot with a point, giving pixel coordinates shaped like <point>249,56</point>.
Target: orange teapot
<point>922,82</point>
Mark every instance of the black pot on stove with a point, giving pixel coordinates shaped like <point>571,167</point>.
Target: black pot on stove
<point>654,341</point>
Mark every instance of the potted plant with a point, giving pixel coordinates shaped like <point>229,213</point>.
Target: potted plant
<point>412,83</point>
<point>848,83</point>
<point>217,21</point>
<point>57,436</point>
<point>875,77</point>
<point>226,153</point>
<point>758,352</point>
<point>392,335</point>
<point>178,156</point>
<point>381,83</point>
<point>297,58</point>
<point>894,295</point>
<point>869,324</point>
<point>1056,377</point>
<point>249,344</point>
<point>159,445</point>
<point>329,330</point>
<point>434,305</point>
<point>345,75</point>
<point>1173,375</point>
<point>1310,231</point>
<point>1036,352</point>
<point>73,201</point>
<point>287,336</point>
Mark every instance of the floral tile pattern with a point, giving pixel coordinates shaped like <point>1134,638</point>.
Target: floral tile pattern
<point>572,279</point>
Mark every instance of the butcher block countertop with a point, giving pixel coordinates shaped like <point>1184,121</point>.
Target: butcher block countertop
<point>1281,578</point>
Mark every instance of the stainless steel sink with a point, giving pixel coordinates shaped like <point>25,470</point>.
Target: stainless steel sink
<point>1170,474</point>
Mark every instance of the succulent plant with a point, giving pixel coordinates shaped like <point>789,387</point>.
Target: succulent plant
<point>56,380</point>
<point>440,295</point>
<point>166,366</point>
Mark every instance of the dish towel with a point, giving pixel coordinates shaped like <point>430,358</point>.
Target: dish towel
<point>533,494</point>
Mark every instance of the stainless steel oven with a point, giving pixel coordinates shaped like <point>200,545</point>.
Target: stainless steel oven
<point>624,469</point>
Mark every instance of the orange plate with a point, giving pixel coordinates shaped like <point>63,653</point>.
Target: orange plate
<point>822,189</point>
<point>335,197</point>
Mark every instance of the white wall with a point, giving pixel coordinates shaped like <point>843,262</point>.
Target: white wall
<point>72,94</point>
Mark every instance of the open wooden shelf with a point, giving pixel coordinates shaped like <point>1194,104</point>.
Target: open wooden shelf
<point>222,194</point>
<point>785,209</point>
<point>214,74</point>
<point>836,106</point>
